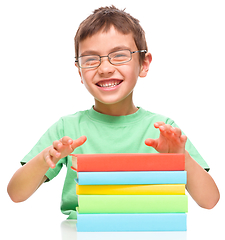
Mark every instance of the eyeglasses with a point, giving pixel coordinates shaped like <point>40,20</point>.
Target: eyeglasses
<point>115,58</point>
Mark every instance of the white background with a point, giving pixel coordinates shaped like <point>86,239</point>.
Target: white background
<point>39,84</point>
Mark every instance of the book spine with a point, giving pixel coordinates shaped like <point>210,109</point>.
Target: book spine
<point>160,189</point>
<point>135,177</point>
<point>133,203</point>
<point>128,162</point>
<point>131,222</point>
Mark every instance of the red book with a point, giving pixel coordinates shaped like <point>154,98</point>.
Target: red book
<point>128,162</point>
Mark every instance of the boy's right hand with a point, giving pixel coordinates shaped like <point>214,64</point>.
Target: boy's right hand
<point>61,149</point>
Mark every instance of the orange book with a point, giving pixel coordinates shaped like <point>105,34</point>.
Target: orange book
<point>128,162</point>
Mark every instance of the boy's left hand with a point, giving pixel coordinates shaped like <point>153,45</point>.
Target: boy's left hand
<point>170,140</point>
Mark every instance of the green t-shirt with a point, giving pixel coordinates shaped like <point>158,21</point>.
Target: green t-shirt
<point>105,134</point>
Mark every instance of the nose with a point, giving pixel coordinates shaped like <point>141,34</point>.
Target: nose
<point>106,68</point>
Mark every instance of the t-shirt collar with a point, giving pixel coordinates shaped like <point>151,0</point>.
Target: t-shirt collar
<point>94,115</point>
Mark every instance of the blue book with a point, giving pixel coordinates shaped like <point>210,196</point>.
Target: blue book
<point>131,222</point>
<point>142,177</point>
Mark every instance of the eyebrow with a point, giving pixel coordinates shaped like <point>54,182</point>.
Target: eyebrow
<point>92,52</point>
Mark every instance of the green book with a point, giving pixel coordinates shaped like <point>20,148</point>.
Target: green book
<point>133,203</point>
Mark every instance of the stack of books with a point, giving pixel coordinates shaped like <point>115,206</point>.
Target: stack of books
<point>131,192</point>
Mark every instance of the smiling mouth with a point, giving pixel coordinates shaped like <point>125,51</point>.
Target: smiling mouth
<point>109,83</point>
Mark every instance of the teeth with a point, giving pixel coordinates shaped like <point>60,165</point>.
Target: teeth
<point>113,84</point>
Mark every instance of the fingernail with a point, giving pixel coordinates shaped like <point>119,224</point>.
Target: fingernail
<point>57,154</point>
<point>52,165</point>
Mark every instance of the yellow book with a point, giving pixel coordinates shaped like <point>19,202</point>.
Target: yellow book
<point>147,189</point>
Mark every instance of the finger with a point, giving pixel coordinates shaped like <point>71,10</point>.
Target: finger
<point>49,161</point>
<point>54,153</point>
<point>78,142</point>
<point>66,140</point>
<point>166,128</point>
<point>183,139</point>
<point>158,124</point>
<point>177,132</point>
<point>57,145</point>
<point>151,142</point>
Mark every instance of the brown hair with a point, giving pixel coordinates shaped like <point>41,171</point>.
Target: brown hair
<point>105,17</point>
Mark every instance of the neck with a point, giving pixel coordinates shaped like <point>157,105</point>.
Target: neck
<point>116,109</point>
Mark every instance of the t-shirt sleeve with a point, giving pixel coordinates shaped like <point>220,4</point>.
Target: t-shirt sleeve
<point>192,150</point>
<point>55,132</point>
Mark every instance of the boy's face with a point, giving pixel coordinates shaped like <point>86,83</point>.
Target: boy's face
<point>111,84</point>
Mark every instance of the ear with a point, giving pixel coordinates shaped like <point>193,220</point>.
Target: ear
<point>79,72</point>
<point>145,65</point>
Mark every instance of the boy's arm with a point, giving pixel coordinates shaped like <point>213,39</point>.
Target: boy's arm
<point>30,176</point>
<point>200,184</point>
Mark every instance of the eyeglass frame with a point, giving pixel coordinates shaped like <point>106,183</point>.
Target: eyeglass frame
<point>100,58</point>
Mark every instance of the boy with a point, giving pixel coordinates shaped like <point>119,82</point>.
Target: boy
<point>111,53</point>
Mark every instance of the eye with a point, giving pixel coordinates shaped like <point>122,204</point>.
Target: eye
<point>89,60</point>
<point>120,56</point>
